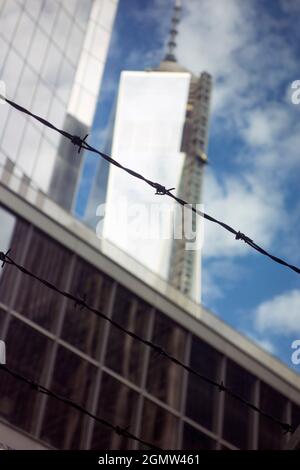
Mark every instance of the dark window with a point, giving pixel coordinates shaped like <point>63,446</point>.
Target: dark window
<point>117,404</point>
<point>2,318</point>
<point>26,352</point>
<point>159,427</point>
<point>236,425</point>
<point>270,434</point>
<point>164,377</point>
<point>73,378</point>
<point>196,440</point>
<point>49,260</point>
<point>202,398</point>
<point>125,354</point>
<point>295,416</point>
<point>83,328</point>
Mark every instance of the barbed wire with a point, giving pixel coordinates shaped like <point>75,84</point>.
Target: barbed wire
<point>81,143</point>
<point>82,303</point>
<point>46,391</point>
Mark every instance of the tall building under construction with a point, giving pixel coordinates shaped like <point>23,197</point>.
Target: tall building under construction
<point>161,130</point>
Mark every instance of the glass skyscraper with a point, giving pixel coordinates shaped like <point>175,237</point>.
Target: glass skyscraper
<point>160,130</point>
<point>148,126</point>
<point>52,57</point>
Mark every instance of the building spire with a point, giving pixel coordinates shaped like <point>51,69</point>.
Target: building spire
<point>173,32</point>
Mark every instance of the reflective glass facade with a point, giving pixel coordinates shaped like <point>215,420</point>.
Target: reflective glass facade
<point>160,130</point>
<point>84,358</point>
<point>52,58</point>
<point>147,133</point>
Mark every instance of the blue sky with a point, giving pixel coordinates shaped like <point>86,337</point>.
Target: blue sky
<point>252,181</point>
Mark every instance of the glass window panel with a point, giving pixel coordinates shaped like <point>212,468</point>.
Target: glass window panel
<point>12,72</point>
<point>52,65</point>
<point>202,402</point>
<point>107,14</point>
<point>11,139</point>
<point>10,16</point>
<point>86,105</point>
<point>65,80</point>
<point>91,77</point>
<point>124,354</point>
<point>51,261</point>
<point>54,137</point>
<point>42,100</point>
<point>70,6</point>
<point>81,67</point>
<point>62,29</point>
<point>159,427</point>
<point>83,13</point>
<point>237,416</point>
<point>13,237</point>
<point>33,8</point>
<point>75,43</point>
<point>27,87</point>
<point>73,377</point>
<point>193,439</point>
<point>19,404</point>
<point>37,51</point>
<point>28,151</point>
<point>4,113</point>
<point>271,435</point>
<point>164,378</point>
<point>44,164</point>
<point>48,16</point>
<point>100,42</point>
<point>57,113</point>
<point>82,328</point>
<point>23,34</point>
<point>117,404</point>
<point>4,48</point>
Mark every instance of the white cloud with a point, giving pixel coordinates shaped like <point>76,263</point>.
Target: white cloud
<point>247,75</point>
<point>280,315</point>
<point>290,6</point>
<point>210,290</point>
<point>238,202</point>
<point>264,343</point>
<point>217,35</point>
<point>266,125</point>
<point>219,275</point>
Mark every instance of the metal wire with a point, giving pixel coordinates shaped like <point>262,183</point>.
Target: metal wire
<point>82,303</point>
<point>160,189</point>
